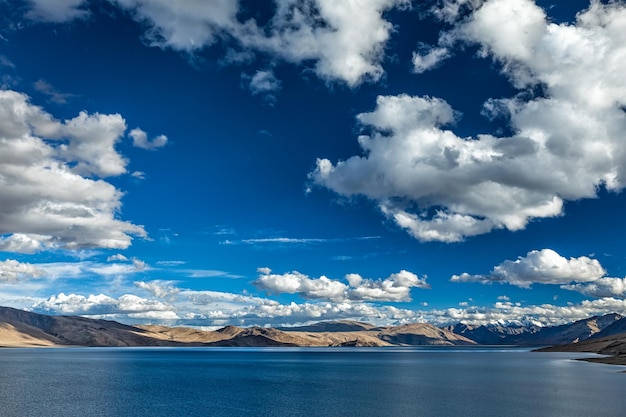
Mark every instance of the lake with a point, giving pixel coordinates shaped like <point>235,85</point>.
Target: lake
<point>358,382</point>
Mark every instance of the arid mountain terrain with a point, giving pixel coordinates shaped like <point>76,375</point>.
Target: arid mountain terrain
<point>533,335</point>
<point>603,335</point>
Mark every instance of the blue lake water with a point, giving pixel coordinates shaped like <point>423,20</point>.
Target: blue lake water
<point>339,382</point>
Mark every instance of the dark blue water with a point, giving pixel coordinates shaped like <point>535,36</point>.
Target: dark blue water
<point>359,382</point>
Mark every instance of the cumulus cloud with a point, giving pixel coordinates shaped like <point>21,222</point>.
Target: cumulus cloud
<point>51,186</point>
<point>542,267</point>
<point>567,144</point>
<point>297,283</point>
<point>26,243</point>
<point>544,314</point>
<point>102,305</point>
<point>12,271</point>
<point>214,309</point>
<point>397,287</point>
<point>140,140</point>
<point>184,25</point>
<point>603,287</point>
<point>344,40</point>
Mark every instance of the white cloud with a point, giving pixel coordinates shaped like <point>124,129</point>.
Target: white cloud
<point>344,40</point>
<point>184,25</point>
<point>160,289</point>
<point>451,10</point>
<point>211,309</point>
<point>520,26</point>
<point>397,287</point>
<point>140,140</point>
<point>297,283</point>
<point>117,257</point>
<point>52,196</point>
<point>263,83</point>
<point>56,10</point>
<point>545,314</point>
<point>26,243</point>
<point>541,267</point>
<point>102,305</point>
<point>567,145</point>
<point>12,271</point>
<point>603,287</point>
<point>428,58</point>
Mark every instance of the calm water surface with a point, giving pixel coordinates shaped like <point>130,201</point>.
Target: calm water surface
<point>359,382</point>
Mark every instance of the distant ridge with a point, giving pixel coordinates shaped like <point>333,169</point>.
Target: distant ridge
<point>601,334</point>
<point>331,326</point>
<point>533,335</point>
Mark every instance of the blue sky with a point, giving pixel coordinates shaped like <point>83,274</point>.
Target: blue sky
<point>212,162</point>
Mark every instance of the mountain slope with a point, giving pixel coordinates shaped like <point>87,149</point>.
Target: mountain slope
<point>38,329</point>
<point>22,328</point>
<point>532,335</point>
<point>614,345</point>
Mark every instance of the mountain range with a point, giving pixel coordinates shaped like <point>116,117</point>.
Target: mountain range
<point>601,334</point>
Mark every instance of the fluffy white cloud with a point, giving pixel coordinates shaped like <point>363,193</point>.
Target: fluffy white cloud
<point>545,314</point>
<point>542,267</point>
<point>297,283</point>
<point>184,25</point>
<point>397,287</point>
<point>102,305</point>
<point>439,186</point>
<point>12,271</point>
<point>212,309</point>
<point>521,24</point>
<point>603,287</point>
<point>56,10</point>
<point>345,39</point>
<point>140,140</point>
<point>49,186</point>
<point>26,243</point>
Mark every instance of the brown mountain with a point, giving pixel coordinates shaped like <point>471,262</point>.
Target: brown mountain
<point>614,345</point>
<point>419,334</point>
<point>22,328</point>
